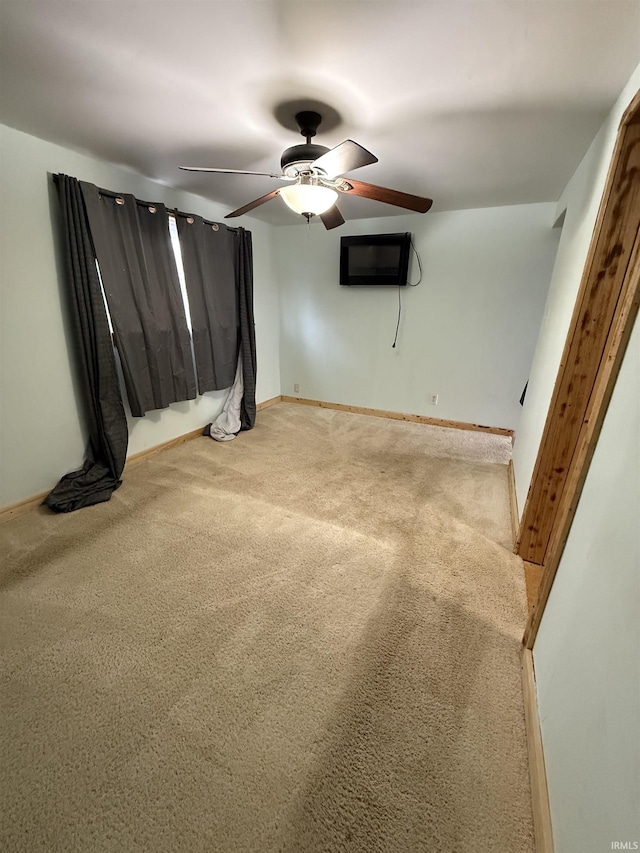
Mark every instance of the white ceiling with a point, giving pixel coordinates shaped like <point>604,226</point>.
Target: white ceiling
<point>471,102</point>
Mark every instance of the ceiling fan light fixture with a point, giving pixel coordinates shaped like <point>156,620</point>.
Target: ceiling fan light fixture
<point>308,198</point>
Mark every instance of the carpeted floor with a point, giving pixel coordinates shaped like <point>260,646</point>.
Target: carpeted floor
<point>305,640</point>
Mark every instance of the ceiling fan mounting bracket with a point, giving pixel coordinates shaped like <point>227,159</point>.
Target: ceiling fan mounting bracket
<point>308,121</point>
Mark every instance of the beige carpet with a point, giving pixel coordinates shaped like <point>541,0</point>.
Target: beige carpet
<point>305,640</point>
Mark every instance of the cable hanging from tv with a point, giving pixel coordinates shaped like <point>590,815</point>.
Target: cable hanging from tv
<point>378,260</point>
<point>413,246</point>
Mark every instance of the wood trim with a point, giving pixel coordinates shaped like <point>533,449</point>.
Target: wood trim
<point>150,451</point>
<point>632,113</point>
<point>612,353</point>
<point>268,403</point>
<point>554,405</point>
<point>588,345</point>
<point>533,575</point>
<point>537,773</point>
<point>22,507</point>
<point>513,504</point>
<point>29,504</point>
<point>400,416</point>
<point>188,436</point>
<point>588,438</point>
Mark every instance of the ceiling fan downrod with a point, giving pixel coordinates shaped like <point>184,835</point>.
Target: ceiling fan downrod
<point>308,121</point>
<point>298,159</point>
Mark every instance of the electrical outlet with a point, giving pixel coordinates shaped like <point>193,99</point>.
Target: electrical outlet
<point>296,388</point>
<point>433,399</point>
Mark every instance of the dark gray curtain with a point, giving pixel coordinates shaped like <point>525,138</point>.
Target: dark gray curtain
<point>106,420</point>
<point>142,289</point>
<point>209,258</point>
<point>244,279</point>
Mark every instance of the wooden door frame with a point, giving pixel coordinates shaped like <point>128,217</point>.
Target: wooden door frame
<point>603,317</point>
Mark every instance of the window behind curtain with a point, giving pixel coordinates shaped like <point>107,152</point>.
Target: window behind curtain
<point>142,288</point>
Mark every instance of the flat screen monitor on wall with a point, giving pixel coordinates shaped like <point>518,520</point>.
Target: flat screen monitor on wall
<point>375,259</point>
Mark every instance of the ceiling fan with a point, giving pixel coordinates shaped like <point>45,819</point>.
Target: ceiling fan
<point>314,173</point>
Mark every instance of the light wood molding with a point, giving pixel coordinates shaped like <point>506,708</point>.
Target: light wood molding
<point>590,343</point>
<point>513,504</point>
<point>150,451</point>
<point>188,436</point>
<point>632,113</point>
<point>17,509</point>
<point>533,575</point>
<point>604,384</point>
<point>399,416</point>
<point>588,438</point>
<point>268,403</point>
<point>537,773</point>
<point>28,505</point>
<point>619,214</point>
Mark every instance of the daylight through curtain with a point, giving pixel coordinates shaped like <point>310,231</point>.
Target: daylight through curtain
<point>218,268</point>
<point>142,289</point>
<point>209,260</point>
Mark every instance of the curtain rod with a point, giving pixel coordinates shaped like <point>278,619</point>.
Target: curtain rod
<point>173,210</point>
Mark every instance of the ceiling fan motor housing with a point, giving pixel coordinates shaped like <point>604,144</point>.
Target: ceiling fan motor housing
<point>298,158</point>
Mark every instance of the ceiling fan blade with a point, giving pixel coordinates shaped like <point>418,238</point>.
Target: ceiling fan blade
<point>343,158</point>
<point>332,218</point>
<point>406,200</point>
<point>235,172</point>
<point>250,206</point>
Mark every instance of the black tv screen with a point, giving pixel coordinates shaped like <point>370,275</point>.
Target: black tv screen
<point>375,259</point>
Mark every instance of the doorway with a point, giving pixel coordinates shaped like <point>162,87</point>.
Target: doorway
<point>603,317</point>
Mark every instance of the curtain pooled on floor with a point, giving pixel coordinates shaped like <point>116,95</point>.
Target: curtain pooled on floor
<point>106,420</point>
<point>142,289</point>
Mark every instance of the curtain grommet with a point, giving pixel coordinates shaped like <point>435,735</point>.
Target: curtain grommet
<point>119,200</point>
<point>215,227</point>
<point>152,209</point>
<point>190,220</point>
